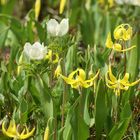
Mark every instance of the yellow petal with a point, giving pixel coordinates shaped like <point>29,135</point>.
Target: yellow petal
<point>46,134</point>
<point>118,32</point>
<point>109,43</point>
<point>71,76</point>
<point>93,78</point>
<point>86,85</point>
<point>134,83</point>
<point>11,131</point>
<point>108,81</point>
<point>68,80</point>
<point>58,71</point>
<point>37,8</point>
<point>27,135</point>
<point>117,47</point>
<point>111,76</point>
<point>62,6</point>
<point>81,74</point>
<point>112,87</point>
<point>124,50</point>
<point>125,79</point>
<point>128,33</point>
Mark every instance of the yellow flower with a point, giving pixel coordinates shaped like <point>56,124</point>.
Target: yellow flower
<point>12,131</point>
<point>3,2</point>
<point>37,8</point>
<point>123,32</point>
<point>62,6</point>
<point>115,46</point>
<point>52,57</point>
<point>111,3</point>
<point>78,79</point>
<point>118,84</point>
<point>46,134</point>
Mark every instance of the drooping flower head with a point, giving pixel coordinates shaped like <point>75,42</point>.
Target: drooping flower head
<point>57,29</point>
<point>36,51</point>
<point>123,32</point>
<point>116,46</point>
<point>118,84</point>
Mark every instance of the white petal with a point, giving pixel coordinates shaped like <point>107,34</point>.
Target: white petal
<point>64,27</point>
<point>37,44</point>
<point>52,27</point>
<point>27,48</point>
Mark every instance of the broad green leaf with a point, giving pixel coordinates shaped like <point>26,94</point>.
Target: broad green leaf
<point>120,128</point>
<point>100,109</point>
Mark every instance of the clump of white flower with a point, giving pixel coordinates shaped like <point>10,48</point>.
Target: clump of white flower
<point>57,29</point>
<point>36,51</point>
<point>130,2</point>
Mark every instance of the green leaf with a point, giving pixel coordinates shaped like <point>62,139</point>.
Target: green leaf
<point>120,128</point>
<point>80,130</point>
<point>100,109</point>
<point>3,34</point>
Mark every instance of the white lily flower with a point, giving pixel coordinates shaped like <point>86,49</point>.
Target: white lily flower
<point>131,2</point>
<point>58,29</point>
<point>36,51</point>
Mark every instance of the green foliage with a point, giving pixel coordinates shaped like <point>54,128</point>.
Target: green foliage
<point>31,94</point>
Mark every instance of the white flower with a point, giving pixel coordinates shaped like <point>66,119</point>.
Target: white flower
<point>36,51</point>
<point>57,29</point>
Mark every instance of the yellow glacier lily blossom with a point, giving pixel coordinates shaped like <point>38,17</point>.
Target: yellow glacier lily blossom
<point>12,131</point>
<point>77,79</point>
<point>123,32</point>
<point>62,6</point>
<point>118,84</point>
<point>37,8</point>
<point>116,46</point>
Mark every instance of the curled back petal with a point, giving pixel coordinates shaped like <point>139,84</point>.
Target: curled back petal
<point>71,75</point>
<point>109,43</point>
<point>125,78</point>
<point>111,76</point>
<point>27,135</point>
<point>68,80</point>
<point>124,50</point>
<point>11,131</point>
<point>81,74</point>
<point>93,78</point>
<point>133,83</point>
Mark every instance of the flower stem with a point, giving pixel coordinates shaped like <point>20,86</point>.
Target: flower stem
<point>63,98</point>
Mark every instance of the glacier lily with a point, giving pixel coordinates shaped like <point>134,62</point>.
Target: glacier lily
<point>57,29</point>
<point>115,46</point>
<point>118,84</point>
<point>13,132</point>
<point>123,32</point>
<point>77,79</point>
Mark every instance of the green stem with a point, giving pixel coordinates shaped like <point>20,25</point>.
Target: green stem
<point>64,97</point>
